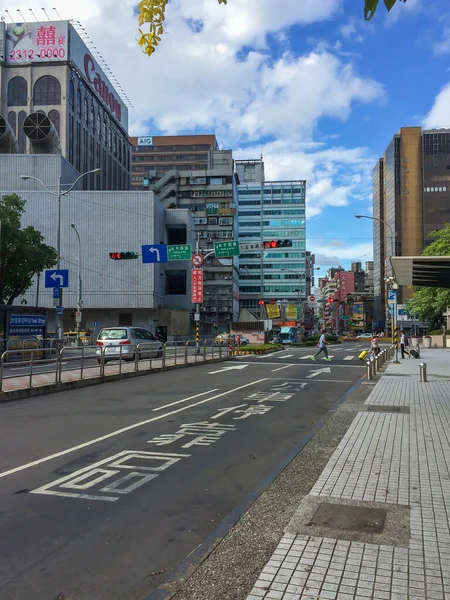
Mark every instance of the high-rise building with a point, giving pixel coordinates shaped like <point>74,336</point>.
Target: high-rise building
<point>250,171</point>
<point>56,99</point>
<point>411,194</point>
<point>210,194</point>
<point>368,277</point>
<point>154,156</point>
<point>272,212</point>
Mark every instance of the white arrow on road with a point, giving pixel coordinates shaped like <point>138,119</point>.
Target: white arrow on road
<point>318,372</point>
<point>55,276</point>
<point>157,252</point>
<point>228,369</point>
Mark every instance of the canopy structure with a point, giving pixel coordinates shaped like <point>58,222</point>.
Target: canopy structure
<point>428,271</point>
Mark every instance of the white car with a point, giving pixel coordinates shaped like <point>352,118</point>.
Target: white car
<point>364,336</point>
<point>123,342</point>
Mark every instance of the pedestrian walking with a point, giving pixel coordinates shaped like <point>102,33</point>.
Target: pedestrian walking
<point>322,347</point>
<point>403,343</point>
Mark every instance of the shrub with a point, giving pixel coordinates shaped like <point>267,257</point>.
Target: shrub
<point>438,332</point>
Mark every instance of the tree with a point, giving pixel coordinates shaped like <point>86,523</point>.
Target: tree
<point>429,303</point>
<point>22,251</point>
<point>153,13</point>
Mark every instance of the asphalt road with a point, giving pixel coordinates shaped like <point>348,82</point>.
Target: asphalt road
<point>106,489</point>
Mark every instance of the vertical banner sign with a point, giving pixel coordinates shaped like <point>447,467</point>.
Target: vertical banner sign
<point>197,286</point>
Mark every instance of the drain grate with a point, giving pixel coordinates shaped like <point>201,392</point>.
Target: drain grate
<point>388,408</point>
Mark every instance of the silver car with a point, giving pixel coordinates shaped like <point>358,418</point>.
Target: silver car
<point>123,342</point>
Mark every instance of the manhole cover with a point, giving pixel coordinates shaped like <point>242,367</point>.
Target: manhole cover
<point>384,408</point>
<point>350,518</point>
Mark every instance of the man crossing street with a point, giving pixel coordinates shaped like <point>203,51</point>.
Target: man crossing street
<point>322,347</point>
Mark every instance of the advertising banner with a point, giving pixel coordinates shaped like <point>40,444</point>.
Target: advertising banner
<point>28,43</point>
<point>291,311</point>
<point>197,286</point>
<point>358,311</point>
<point>273,311</point>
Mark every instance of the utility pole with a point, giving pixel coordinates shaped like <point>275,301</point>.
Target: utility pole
<point>80,291</point>
<point>197,306</point>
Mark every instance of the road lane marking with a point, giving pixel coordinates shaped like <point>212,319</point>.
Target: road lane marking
<point>285,356</point>
<point>305,357</point>
<point>281,368</point>
<point>318,372</point>
<point>349,358</point>
<point>107,436</point>
<point>223,369</point>
<point>185,400</point>
<point>313,381</point>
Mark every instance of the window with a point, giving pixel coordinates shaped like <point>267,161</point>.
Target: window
<point>78,106</point>
<point>71,94</point>
<point>92,118</point>
<point>86,111</point>
<point>47,90</point>
<point>17,92</point>
<point>12,120</point>
<point>200,221</point>
<point>215,180</point>
<point>99,125</point>
<point>226,221</point>
<point>20,132</point>
<point>54,117</point>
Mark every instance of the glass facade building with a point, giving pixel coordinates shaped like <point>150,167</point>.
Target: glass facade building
<point>272,211</point>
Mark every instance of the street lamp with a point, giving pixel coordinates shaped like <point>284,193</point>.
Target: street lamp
<point>391,280</point>
<point>80,299</point>
<point>300,276</point>
<point>59,193</point>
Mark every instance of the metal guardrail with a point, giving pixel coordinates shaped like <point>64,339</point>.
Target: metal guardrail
<point>144,357</point>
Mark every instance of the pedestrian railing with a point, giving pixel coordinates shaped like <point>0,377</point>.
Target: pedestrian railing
<point>72,363</point>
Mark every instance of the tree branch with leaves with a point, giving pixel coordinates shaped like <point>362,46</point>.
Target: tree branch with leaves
<point>23,253</point>
<point>152,14</point>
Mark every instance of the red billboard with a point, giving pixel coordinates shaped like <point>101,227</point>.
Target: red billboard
<point>197,286</point>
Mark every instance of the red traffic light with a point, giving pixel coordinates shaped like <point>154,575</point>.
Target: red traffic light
<point>278,244</point>
<point>330,300</point>
<point>115,255</point>
<point>261,302</point>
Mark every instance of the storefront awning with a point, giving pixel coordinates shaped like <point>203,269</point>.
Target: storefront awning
<point>428,271</point>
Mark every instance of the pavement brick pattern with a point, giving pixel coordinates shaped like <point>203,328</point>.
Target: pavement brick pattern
<point>384,457</point>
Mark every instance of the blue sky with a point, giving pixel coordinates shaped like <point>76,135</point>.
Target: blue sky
<point>309,81</point>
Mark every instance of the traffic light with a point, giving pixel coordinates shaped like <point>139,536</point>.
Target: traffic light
<point>330,300</point>
<point>278,244</point>
<point>123,255</point>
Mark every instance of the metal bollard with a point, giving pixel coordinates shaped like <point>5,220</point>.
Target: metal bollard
<point>423,372</point>
<point>369,371</point>
<point>374,366</point>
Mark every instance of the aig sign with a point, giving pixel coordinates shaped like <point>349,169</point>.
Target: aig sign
<point>145,141</point>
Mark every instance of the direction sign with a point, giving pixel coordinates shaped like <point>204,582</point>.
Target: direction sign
<point>197,286</point>
<point>179,252</point>
<point>154,253</point>
<point>226,249</point>
<point>254,246</point>
<point>197,260</point>
<point>57,278</point>
<point>60,311</point>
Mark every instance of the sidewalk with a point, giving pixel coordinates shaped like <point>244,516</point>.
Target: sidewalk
<point>376,525</point>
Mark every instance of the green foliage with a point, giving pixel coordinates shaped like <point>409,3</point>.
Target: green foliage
<point>370,6</point>
<point>430,303</point>
<point>316,338</point>
<point>22,251</point>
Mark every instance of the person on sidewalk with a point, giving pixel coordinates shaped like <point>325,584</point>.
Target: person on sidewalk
<point>322,347</point>
<point>403,343</point>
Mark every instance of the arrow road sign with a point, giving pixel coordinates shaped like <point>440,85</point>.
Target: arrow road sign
<point>318,372</point>
<point>154,253</point>
<point>57,278</point>
<point>228,369</point>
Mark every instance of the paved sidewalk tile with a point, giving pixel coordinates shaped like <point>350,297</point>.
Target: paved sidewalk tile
<point>386,457</point>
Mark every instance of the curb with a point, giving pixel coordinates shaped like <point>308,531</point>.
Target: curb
<point>80,383</point>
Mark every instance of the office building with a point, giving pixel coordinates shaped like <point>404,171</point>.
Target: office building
<point>250,171</point>
<point>368,277</point>
<point>56,99</point>
<point>114,292</point>
<point>272,212</point>
<point>411,194</point>
<point>154,156</point>
<point>211,196</point>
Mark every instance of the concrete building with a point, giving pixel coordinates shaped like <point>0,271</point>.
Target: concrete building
<point>271,212</point>
<point>411,193</point>
<point>125,292</point>
<point>250,171</point>
<point>368,277</point>
<point>154,156</point>
<point>55,98</point>
<point>211,196</point>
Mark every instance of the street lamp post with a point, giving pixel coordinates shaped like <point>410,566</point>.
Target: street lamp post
<point>59,194</point>
<point>392,282</point>
<point>80,288</point>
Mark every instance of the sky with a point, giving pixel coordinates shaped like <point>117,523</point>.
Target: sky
<point>307,83</point>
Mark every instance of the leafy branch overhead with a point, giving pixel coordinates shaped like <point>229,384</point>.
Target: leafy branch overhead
<point>152,13</point>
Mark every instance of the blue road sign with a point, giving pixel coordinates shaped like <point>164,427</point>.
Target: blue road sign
<point>60,311</point>
<point>57,278</point>
<point>95,324</point>
<point>392,294</point>
<point>56,293</point>
<point>154,253</point>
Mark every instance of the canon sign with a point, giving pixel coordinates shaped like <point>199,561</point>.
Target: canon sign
<point>100,86</point>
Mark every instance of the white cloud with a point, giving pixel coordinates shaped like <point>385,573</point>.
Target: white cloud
<point>401,10</point>
<point>325,253</point>
<point>350,31</point>
<point>439,115</point>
